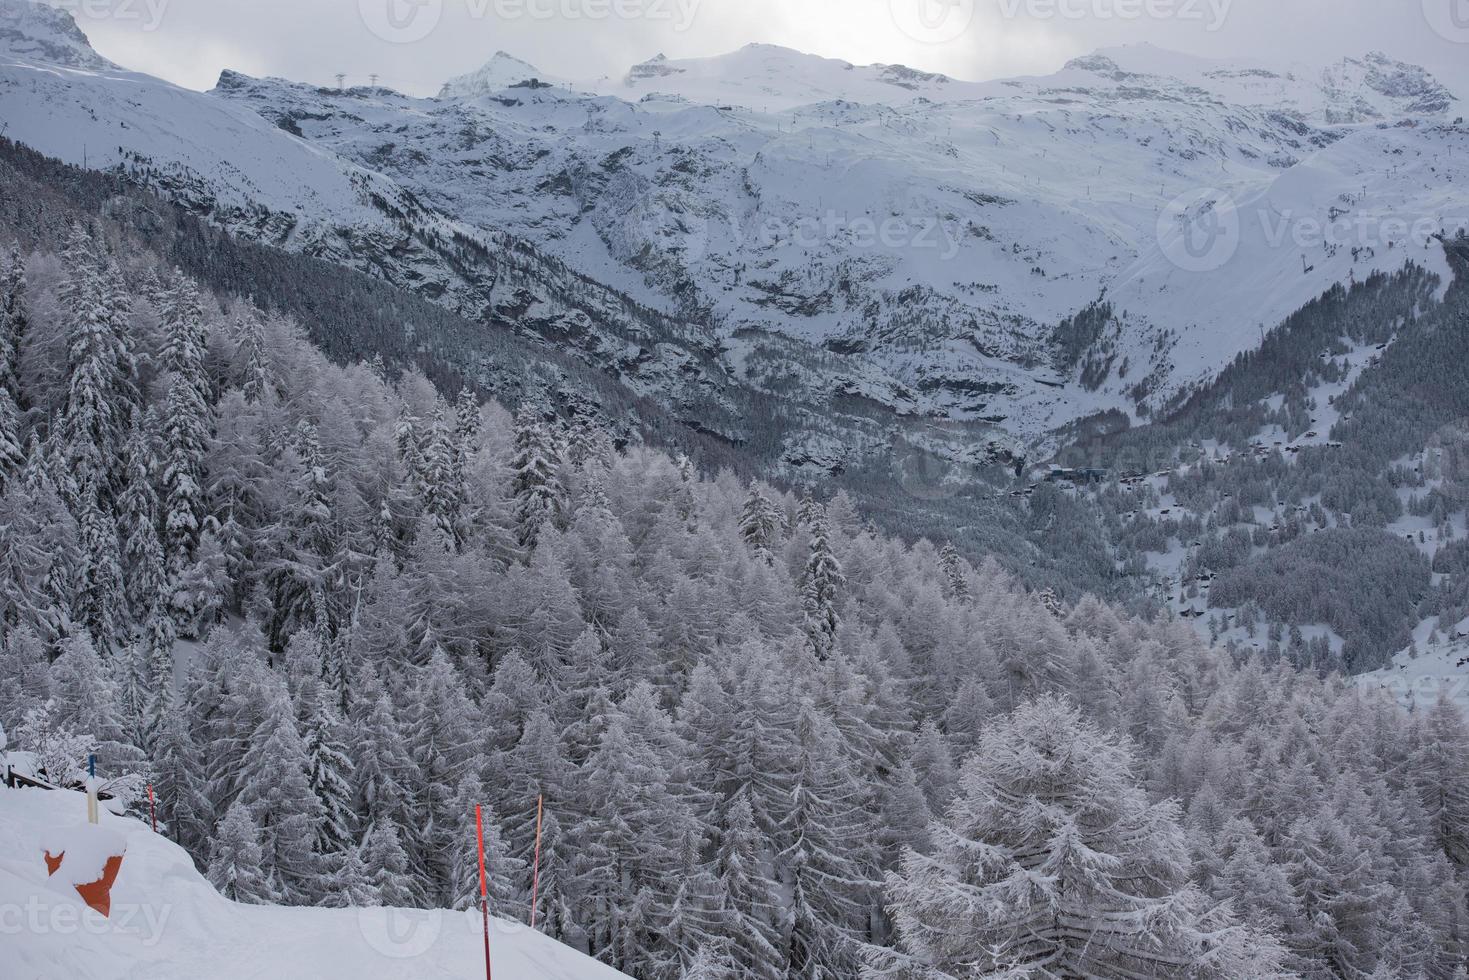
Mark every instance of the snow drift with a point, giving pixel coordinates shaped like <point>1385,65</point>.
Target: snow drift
<point>166,920</point>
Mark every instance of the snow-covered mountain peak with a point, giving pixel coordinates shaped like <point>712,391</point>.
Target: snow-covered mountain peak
<point>1387,86</point>
<point>770,77</point>
<point>40,32</point>
<point>914,238</point>
<point>499,73</point>
<point>1352,90</point>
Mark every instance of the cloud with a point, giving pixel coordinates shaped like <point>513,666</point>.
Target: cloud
<point>312,40</point>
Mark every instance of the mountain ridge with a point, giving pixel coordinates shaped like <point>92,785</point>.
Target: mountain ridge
<point>921,257</point>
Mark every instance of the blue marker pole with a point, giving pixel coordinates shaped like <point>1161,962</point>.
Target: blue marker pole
<point>92,788</point>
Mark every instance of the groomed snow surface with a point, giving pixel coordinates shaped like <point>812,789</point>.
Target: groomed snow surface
<point>167,921</point>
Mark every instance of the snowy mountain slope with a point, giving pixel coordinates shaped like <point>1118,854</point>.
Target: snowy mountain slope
<point>1436,665</point>
<point>789,229</point>
<point>253,176</point>
<point>167,921</point>
<point>937,230</point>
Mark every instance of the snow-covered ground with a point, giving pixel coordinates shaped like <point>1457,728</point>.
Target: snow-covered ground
<point>1437,663</point>
<point>167,921</point>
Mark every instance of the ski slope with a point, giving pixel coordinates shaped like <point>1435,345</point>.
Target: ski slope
<point>168,922</point>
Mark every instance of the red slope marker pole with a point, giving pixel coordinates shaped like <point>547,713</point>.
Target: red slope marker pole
<point>484,888</point>
<point>535,881</point>
<point>152,812</point>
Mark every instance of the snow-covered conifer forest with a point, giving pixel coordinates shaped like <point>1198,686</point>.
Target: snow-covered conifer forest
<point>768,618</point>
<point>324,607</point>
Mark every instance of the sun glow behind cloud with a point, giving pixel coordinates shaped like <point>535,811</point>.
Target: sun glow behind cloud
<point>312,40</point>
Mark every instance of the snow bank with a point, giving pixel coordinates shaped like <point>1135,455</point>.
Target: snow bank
<point>167,921</point>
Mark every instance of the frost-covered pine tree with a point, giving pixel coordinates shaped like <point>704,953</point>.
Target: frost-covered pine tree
<point>137,519</point>
<point>183,491</point>
<point>535,483</point>
<point>760,524</point>
<point>201,589</point>
<point>386,865</point>
<point>308,552</point>
<point>754,912</point>
<point>257,384</point>
<point>100,601</point>
<point>234,859</point>
<point>1053,862</point>
<point>14,322</point>
<point>505,874</point>
<point>158,643</point>
<point>99,367</point>
<point>276,786</point>
<point>827,860</point>
<point>441,731</point>
<point>555,915</point>
<point>350,886</point>
<point>85,695</point>
<point>467,424</point>
<point>179,797</point>
<point>187,421</point>
<point>12,451</point>
<point>956,586</point>
<point>821,590</point>
<point>329,773</point>
<point>1441,774</point>
<point>443,496</point>
<point>384,773</point>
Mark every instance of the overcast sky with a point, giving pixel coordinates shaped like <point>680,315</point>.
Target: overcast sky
<point>414,45</point>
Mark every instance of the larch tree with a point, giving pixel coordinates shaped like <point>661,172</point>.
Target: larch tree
<point>187,421</point>
<point>505,874</point>
<point>760,524</point>
<point>956,586</point>
<point>329,773</point>
<point>1054,862</point>
<point>234,860</point>
<point>98,366</point>
<point>755,912</point>
<point>385,863</point>
<point>535,482</point>
<point>138,519</point>
<point>1441,775</point>
<point>14,323</point>
<point>275,784</point>
<point>12,449</point>
<point>821,590</point>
